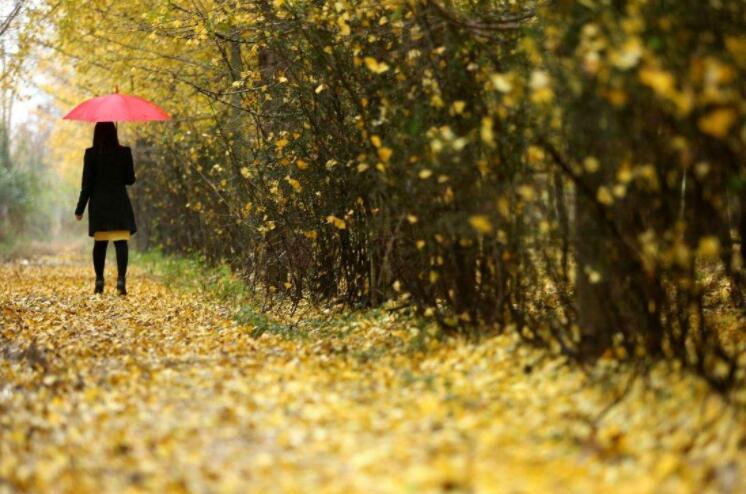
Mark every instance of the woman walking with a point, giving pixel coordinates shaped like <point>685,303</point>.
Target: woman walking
<point>107,170</point>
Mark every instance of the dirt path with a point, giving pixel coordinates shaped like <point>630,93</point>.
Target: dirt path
<point>163,392</point>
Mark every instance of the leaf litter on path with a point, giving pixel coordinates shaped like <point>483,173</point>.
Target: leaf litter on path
<point>160,392</point>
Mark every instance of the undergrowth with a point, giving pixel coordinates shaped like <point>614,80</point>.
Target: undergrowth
<point>285,319</point>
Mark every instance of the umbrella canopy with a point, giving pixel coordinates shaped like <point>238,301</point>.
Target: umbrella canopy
<point>117,108</point>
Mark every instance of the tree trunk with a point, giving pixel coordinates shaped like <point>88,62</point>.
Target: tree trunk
<point>592,279</point>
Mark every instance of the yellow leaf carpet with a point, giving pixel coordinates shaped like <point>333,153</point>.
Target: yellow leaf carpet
<point>163,392</point>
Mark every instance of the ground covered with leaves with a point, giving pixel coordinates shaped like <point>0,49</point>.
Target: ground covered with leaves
<point>165,391</point>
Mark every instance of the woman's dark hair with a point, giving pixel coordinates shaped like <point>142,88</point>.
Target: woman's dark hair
<point>105,136</point>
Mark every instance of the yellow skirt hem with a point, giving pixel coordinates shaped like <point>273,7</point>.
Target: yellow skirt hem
<point>112,235</point>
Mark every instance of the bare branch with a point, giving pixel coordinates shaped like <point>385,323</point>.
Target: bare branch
<point>5,25</point>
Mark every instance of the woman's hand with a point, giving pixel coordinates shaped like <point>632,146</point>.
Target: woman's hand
<point>78,217</point>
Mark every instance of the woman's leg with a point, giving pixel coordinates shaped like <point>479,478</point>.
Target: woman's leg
<point>122,257</point>
<point>99,260</point>
<point>99,257</point>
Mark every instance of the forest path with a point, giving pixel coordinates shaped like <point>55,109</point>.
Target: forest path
<point>163,392</point>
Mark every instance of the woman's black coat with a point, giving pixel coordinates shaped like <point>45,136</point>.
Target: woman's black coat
<point>106,172</point>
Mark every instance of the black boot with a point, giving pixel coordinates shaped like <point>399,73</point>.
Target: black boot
<point>121,286</point>
<point>99,286</point>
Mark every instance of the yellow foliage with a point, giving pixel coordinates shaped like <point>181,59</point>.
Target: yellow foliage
<point>337,222</point>
<point>486,132</point>
<point>384,154</point>
<point>295,184</point>
<point>527,192</point>
<point>501,82</point>
<point>344,27</point>
<point>281,143</point>
<point>591,164</point>
<point>718,123</point>
<point>604,196</point>
<point>628,55</point>
<point>503,207</point>
<point>481,224</point>
<point>375,66</point>
<point>709,247</point>
<point>661,81</point>
<point>736,45</point>
<point>541,89</point>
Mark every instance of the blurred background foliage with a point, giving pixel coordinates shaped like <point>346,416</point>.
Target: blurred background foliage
<point>570,170</point>
<point>33,192</point>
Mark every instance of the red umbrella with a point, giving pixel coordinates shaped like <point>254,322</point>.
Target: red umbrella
<point>117,108</point>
